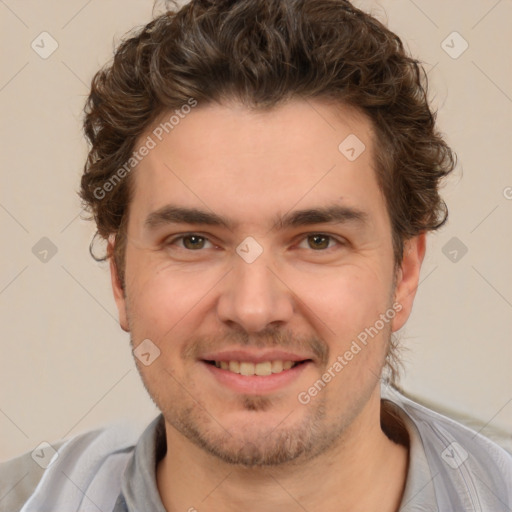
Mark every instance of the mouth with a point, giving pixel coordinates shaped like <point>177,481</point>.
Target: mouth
<point>255,377</point>
<point>261,369</point>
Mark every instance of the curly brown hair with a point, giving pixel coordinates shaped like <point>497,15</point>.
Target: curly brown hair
<point>263,53</point>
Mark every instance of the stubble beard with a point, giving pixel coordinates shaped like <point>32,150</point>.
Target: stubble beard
<point>252,445</point>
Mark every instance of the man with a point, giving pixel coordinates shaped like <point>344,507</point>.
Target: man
<point>265,173</point>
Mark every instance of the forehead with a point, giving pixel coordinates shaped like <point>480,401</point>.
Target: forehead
<point>247,164</point>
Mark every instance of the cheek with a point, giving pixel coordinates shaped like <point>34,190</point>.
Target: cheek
<point>345,300</point>
<point>161,298</point>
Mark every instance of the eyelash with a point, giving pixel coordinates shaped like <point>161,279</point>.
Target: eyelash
<point>304,237</point>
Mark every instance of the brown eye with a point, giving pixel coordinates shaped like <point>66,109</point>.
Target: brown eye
<point>193,242</point>
<point>318,241</point>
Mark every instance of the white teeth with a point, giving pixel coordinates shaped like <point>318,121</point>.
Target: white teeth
<point>246,368</point>
<point>262,369</point>
<point>234,366</point>
<point>277,366</point>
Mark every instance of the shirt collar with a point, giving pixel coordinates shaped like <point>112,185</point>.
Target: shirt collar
<point>139,491</point>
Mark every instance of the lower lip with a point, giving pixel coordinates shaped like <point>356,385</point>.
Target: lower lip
<point>256,384</point>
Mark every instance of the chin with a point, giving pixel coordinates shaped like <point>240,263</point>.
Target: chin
<point>256,436</point>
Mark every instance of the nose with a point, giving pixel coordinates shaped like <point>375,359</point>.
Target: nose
<point>254,297</point>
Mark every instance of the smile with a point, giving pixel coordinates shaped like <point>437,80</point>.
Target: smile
<point>261,369</point>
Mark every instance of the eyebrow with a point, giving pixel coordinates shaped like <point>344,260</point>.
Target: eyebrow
<point>334,214</point>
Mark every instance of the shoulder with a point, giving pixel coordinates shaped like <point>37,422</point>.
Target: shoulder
<point>463,462</point>
<point>25,476</point>
<point>18,479</point>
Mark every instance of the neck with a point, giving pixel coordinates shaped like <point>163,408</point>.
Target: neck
<point>363,471</point>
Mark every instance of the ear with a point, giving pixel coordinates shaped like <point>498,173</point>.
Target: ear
<point>407,279</point>
<point>119,294</point>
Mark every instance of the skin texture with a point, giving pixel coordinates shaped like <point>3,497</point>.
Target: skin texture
<point>258,450</point>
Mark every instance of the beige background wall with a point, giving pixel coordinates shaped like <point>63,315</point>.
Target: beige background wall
<point>65,365</point>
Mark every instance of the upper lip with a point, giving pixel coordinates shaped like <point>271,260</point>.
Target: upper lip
<point>253,356</point>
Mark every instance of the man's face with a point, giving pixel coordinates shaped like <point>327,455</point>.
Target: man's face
<point>271,287</point>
